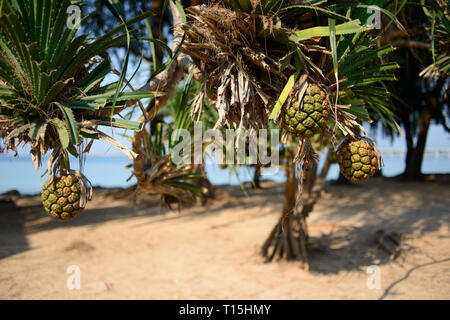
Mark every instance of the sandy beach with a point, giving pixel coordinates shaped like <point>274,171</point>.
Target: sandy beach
<point>212,251</point>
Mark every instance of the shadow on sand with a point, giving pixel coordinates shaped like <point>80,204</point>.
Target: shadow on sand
<point>12,233</point>
<point>345,248</point>
<point>352,248</point>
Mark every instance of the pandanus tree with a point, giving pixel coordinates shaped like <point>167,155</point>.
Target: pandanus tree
<point>313,70</point>
<point>310,68</point>
<point>51,93</point>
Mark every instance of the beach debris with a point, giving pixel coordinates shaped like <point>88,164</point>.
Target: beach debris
<point>79,246</point>
<point>9,196</point>
<point>390,242</point>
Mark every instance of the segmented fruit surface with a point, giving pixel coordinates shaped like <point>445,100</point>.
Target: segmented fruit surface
<point>61,197</point>
<point>311,117</point>
<point>357,160</point>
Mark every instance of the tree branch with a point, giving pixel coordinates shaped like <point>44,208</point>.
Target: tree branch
<point>401,34</point>
<point>166,82</point>
<point>411,44</point>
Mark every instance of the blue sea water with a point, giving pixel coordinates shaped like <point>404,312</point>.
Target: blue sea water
<point>18,172</point>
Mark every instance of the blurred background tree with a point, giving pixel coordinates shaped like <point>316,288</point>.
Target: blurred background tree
<point>421,92</point>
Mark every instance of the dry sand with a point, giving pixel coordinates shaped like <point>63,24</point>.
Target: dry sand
<point>212,252</point>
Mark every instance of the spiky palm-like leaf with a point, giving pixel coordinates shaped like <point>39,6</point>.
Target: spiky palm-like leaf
<point>50,79</point>
<point>439,35</point>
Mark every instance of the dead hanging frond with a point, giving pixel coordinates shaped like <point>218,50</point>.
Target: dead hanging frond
<point>305,159</point>
<point>434,71</point>
<point>306,155</point>
<point>86,188</point>
<point>40,136</point>
<point>164,178</point>
<point>243,78</point>
<point>158,175</point>
<point>372,143</point>
<point>103,136</point>
<point>347,122</point>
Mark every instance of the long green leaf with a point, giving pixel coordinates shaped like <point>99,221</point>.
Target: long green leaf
<point>284,95</point>
<point>70,121</point>
<point>359,59</point>
<point>117,123</point>
<point>344,28</point>
<point>63,132</point>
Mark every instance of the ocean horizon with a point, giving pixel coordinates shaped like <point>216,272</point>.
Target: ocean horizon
<point>17,173</point>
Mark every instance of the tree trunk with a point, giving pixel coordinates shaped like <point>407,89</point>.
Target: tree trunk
<point>414,165</point>
<point>155,22</point>
<point>415,154</point>
<point>257,177</point>
<point>204,183</point>
<point>289,238</point>
<point>409,139</point>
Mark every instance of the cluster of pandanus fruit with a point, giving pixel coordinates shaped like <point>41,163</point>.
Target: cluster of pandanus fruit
<point>357,159</point>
